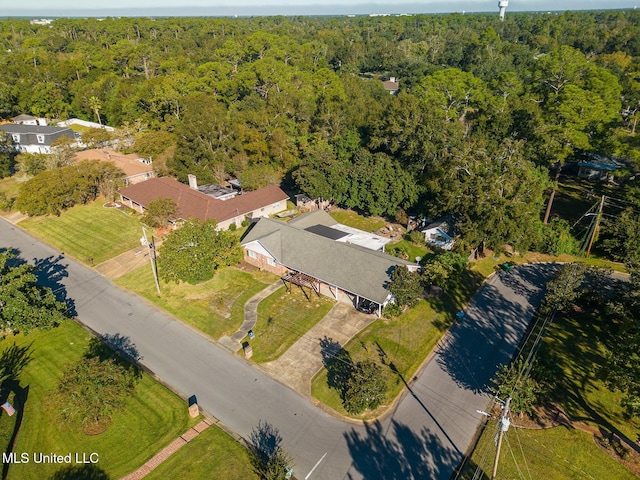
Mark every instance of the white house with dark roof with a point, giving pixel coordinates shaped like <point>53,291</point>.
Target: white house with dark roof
<point>36,138</point>
<point>332,266</point>
<point>440,233</point>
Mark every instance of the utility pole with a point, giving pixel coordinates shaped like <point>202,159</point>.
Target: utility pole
<point>595,228</point>
<point>152,256</point>
<point>504,426</point>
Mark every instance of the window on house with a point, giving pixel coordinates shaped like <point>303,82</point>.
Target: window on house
<point>252,254</point>
<point>271,262</point>
<point>40,138</point>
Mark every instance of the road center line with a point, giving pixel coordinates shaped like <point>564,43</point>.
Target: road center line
<point>315,466</point>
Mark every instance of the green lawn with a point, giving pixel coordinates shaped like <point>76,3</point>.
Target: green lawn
<point>283,318</point>
<point>152,419</point>
<point>212,454</point>
<point>559,453</point>
<point>352,219</point>
<point>403,342</point>
<point>411,249</point>
<point>87,231</point>
<point>575,344</point>
<point>215,307</point>
<point>10,185</point>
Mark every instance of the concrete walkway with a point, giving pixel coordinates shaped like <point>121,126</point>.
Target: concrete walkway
<point>169,450</point>
<point>232,342</point>
<point>124,263</point>
<point>297,366</point>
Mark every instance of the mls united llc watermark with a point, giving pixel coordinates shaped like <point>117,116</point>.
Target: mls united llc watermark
<point>39,457</point>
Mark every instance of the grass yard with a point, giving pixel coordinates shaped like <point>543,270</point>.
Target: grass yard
<point>215,307</point>
<point>409,248</point>
<point>10,185</point>
<point>87,231</point>
<point>212,454</point>
<point>558,453</point>
<point>352,219</point>
<point>283,318</point>
<point>403,342</point>
<point>153,418</point>
<point>575,344</point>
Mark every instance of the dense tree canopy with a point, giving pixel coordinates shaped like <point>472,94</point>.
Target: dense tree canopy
<point>52,191</point>
<point>301,100</point>
<point>193,252</point>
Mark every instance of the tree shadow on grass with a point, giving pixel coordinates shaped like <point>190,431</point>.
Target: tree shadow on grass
<point>80,472</point>
<point>19,401</point>
<point>118,348</point>
<point>12,361</point>
<point>338,363</point>
<point>400,453</point>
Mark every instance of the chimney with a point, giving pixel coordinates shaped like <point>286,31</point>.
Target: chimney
<point>193,183</point>
<point>392,79</point>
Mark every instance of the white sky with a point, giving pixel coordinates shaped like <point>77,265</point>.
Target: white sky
<point>35,7</point>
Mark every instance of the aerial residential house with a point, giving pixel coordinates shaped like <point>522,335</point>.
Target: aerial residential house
<point>36,138</point>
<point>136,169</point>
<point>440,233</point>
<point>24,119</point>
<point>598,167</point>
<point>305,256</point>
<point>229,208</point>
<point>392,85</point>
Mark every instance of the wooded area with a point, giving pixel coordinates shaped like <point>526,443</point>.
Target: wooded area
<point>485,109</point>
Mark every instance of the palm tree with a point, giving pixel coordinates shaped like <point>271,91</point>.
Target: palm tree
<point>96,105</point>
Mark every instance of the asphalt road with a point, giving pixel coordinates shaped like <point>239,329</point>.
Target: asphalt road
<point>425,437</point>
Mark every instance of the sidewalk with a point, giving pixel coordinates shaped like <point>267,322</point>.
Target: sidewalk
<point>169,450</point>
<point>232,342</point>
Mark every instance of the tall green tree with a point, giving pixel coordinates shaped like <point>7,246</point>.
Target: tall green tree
<point>496,195</point>
<point>193,252</point>
<point>406,286</point>
<point>25,305</point>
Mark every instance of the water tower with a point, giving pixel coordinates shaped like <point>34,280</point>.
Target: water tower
<point>502,5</point>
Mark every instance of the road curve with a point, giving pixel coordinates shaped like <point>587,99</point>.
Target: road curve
<point>425,437</point>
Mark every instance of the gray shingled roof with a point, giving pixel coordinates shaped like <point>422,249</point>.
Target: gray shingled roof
<point>352,268</point>
<point>29,133</point>
<point>309,219</point>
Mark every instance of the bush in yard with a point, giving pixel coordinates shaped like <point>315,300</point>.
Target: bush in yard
<point>366,387</point>
<point>270,461</point>
<point>92,389</point>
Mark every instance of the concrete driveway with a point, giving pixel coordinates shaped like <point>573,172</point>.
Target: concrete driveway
<point>297,366</point>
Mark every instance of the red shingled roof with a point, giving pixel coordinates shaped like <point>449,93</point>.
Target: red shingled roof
<point>192,203</point>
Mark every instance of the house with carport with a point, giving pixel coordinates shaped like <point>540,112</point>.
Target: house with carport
<point>312,257</point>
<point>223,205</point>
